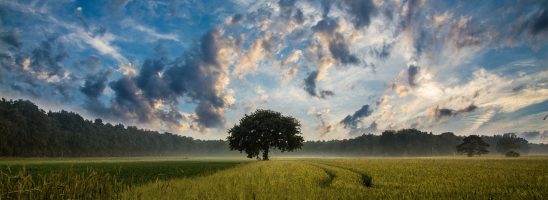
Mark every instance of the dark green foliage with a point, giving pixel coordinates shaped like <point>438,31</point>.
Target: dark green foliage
<point>128,172</point>
<point>510,142</point>
<point>27,131</point>
<point>473,145</point>
<point>263,130</point>
<point>512,154</point>
<point>406,142</point>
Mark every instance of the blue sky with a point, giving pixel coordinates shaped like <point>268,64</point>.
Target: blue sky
<point>343,68</point>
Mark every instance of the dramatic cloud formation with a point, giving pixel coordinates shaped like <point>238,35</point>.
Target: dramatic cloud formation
<point>351,121</point>
<point>195,67</point>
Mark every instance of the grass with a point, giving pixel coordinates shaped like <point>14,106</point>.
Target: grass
<point>372,178</point>
<point>294,178</point>
<point>94,178</point>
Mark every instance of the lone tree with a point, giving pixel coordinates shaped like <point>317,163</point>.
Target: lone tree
<point>473,145</point>
<point>263,130</point>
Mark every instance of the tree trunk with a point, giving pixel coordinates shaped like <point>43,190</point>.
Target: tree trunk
<point>265,154</point>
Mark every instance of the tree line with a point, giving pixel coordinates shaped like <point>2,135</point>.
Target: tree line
<point>413,142</point>
<point>28,131</point>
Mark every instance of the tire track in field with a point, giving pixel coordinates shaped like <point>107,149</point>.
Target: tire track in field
<point>366,180</point>
<point>330,177</point>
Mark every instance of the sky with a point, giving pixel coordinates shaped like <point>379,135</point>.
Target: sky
<point>343,68</point>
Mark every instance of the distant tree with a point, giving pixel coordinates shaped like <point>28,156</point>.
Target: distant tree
<point>473,145</point>
<point>509,142</point>
<point>98,122</point>
<point>265,129</point>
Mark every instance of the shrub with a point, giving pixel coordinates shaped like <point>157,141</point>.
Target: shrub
<point>512,154</point>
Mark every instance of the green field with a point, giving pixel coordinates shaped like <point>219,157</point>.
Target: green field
<point>95,178</point>
<point>300,178</point>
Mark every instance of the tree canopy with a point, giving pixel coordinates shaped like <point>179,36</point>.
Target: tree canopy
<point>473,145</point>
<point>26,130</point>
<point>510,142</point>
<point>263,130</point>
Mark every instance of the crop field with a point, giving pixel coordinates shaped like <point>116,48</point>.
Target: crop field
<point>290,178</point>
<point>95,178</point>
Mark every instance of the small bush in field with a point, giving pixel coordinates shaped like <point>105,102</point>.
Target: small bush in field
<point>512,154</point>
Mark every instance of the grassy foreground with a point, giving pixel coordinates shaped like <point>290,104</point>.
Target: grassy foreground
<point>390,178</point>
<point>221,178</point>
<point>103,178</point>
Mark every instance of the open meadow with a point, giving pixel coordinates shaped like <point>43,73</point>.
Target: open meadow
<point>95,178</point>
<point>287,178</point>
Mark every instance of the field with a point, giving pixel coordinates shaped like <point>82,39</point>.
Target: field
<point>302,178</point>
<point>95,178</point>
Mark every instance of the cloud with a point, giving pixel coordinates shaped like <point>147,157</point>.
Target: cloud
<point>286,3</point>
<point>150,32</point>
<point>249,61</point>
<point>10,39</point>
<point>116,5</point>
<point>361,12</point>
<point>237,18</point>
<point>151,96</point>
<point>91,63</point>
<point>323,128</point>
<point>102,44</point>
<point>310,86</point>
<point>530,135</point>
<point>326,7</point>
<point>127,69</point>
<point>48,56</point>
<point>351,121</point>
<point>150,82</point>
<point>294,56</point>
<point>290,12</point>
<point>372,128</point>
<point>128,102</point>
<point>327,29</point>
<point>310,83</point>
<point>539,22</point>
<point>535,136</point>
<point>153,33</point>
<point>326,93</point>
<point>383,52</point>
<point>412,72</point>
<point>299,17</point>
<point>289,74</point>
<point>326,26</point>
<point>339,50</point>
<point>203,76</point>
<point>95,84</point>
<point>401,90</point>
<point>40,72</point>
